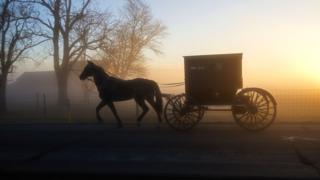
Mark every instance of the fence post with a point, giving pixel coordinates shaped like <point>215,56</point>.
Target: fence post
<point>44,105</point>
<point>37,102</point>
<point>69,112</point>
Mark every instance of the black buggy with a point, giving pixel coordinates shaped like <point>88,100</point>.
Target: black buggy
<point>216,80</point>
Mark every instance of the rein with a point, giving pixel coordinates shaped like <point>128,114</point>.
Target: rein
<point>170,85</point>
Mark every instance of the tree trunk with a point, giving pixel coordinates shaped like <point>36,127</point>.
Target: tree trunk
<point>3,100</point>
<point>62,81</point>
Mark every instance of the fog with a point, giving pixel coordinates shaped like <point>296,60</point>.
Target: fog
<point>33,101</point>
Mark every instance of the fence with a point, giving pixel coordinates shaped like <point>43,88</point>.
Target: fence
<point>298,105</point>
<point>294,105</point>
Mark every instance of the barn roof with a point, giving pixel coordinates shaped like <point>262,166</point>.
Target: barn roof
<point>39,77</point>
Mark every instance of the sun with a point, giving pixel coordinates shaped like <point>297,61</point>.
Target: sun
<point>311,68</point>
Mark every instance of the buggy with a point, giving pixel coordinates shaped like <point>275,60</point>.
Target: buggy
<point>215,81</point>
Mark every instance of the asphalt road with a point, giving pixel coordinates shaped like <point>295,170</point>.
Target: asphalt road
<point>209,150</point>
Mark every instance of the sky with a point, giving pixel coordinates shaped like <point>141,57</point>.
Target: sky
<point>279,39</point>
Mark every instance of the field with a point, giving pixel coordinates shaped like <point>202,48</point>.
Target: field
<point>294,106</point>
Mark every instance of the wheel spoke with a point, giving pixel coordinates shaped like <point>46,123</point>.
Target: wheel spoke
<point>259,102</point>
<point>180,105</point>
<point>262,105</point>
<point>251,96</point>
<point>192,115</point>
<point>259,117</point>
<point>242,116</point>
<point>256,98</point>
<point>246,118</point>
<point>263,118</point>
<point>172,118</point>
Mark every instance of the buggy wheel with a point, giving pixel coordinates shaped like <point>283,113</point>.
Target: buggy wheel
<point>182,115</point>
<point>254,109</point>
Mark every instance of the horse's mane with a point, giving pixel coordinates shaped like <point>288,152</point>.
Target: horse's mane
<point>101,70</point>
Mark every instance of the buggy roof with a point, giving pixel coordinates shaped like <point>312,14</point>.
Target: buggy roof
<point>211,56</point>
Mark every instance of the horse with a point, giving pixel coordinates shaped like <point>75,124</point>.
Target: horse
<point>112,89</point>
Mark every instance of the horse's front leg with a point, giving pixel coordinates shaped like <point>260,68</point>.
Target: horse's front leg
<point>100,105</point>
<point>114,111</point>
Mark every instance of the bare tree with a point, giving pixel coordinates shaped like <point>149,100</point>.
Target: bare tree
<point>135,32</point>
<point>73,27</point>
<point>17,37</point>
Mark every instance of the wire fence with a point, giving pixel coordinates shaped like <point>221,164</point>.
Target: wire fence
<point>302,105</point>
<point>294,105</point>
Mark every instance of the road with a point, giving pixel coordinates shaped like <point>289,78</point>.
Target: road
<point>209,150</point>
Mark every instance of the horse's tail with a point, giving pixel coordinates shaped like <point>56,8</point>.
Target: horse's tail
<point>158,96</point>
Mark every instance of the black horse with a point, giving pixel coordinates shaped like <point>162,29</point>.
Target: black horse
<point>113,89</point>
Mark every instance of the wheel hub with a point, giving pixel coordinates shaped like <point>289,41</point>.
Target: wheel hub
<point>183,111</point>
<point>253,109</point>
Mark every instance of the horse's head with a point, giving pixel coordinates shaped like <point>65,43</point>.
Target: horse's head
<point>88,71</point>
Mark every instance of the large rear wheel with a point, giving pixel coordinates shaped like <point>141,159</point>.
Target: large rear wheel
<point>254,109</point>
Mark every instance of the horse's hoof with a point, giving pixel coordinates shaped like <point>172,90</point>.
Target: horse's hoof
<point>139,124</point>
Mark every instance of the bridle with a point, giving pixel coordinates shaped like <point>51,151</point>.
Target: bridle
<point>89,79</point>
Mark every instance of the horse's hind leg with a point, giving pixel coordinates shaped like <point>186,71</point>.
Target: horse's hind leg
<point>154,106</point>
<point>144,107</point>
<point>114,111</point>
<point>100,105</point>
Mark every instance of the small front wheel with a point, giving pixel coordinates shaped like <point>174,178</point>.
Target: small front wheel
<point>180,114</point>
